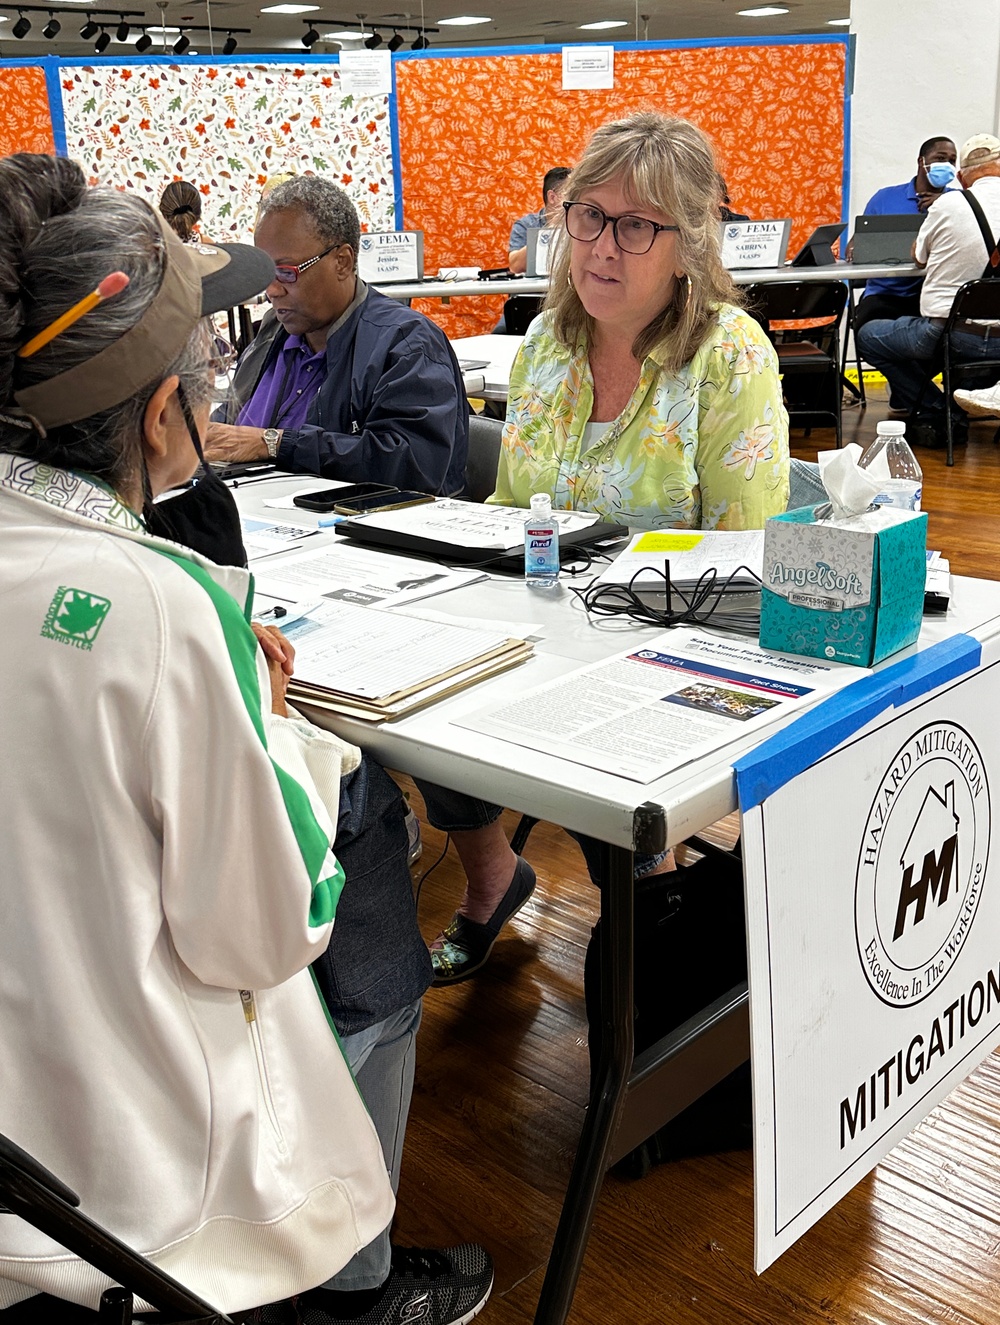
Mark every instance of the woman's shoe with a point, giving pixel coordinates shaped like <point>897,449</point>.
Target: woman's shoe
<point>465,946</point>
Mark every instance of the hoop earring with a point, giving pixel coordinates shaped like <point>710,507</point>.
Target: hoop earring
<point>682,307</point>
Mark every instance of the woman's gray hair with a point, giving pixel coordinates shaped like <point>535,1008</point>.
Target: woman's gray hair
<point>328,208</point>
<point>58,240</point>
<point>663,165</point>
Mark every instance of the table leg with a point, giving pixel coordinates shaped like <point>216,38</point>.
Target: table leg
<point>607,1096</point>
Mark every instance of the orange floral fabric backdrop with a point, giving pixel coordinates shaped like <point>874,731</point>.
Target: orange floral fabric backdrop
<point>477,133</point>
<point>25,119</point>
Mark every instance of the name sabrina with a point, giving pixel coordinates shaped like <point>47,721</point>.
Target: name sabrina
<point>822,576</point>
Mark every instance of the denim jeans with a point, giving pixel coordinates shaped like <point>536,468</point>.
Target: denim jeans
<point>903,348</point>
<point>454,811</point>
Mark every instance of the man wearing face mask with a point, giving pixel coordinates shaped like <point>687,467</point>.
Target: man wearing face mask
<point>890,297</point>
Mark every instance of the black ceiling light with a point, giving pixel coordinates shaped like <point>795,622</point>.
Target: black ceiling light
<point>182,45</point>
<point>395,41</point>
<point>420,43</point>
<point>122,30</point>
<point>22,27</point>
<point>311,37</point>
<point>374,41</point>
<point>103,42</point>
<point>52,28</point>
<point>89,29</point>
<point>230,45</point>
<point>144,42</point>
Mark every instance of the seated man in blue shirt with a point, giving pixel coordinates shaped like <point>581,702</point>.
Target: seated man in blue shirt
<point>889,297</point>
<point>553,188</point>
<point>341,380</point>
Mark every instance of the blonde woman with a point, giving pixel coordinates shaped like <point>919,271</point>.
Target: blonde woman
<point>643,391</point>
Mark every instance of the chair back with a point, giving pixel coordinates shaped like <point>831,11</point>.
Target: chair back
<point>519,312</point>
<point>977,301</point>
<point>787,300</point>
<point>484,456</point>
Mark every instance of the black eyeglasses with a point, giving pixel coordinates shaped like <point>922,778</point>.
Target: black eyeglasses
<point>633,234</point>
<point>289,275</point>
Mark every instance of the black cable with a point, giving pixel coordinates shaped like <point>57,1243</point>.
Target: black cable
<point>430,870</point>
<point>682,607</point>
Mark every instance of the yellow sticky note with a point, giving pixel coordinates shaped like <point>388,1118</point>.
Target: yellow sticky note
<point>667,542</point>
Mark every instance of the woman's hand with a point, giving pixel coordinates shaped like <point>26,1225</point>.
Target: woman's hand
<point>280,655</point>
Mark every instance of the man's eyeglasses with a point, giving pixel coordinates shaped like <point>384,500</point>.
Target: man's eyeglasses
<point>289,275</point>
<point>633,234</point>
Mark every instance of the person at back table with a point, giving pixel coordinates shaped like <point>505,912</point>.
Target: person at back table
<point>341,380</point>
<point>889,296</point>
<point>643,392</point>
<point>553,187</point>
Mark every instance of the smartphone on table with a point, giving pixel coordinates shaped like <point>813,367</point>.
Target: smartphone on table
<point>387,501</point>
<point>326,499</point>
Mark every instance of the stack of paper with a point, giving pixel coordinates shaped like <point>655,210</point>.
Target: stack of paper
<point>689,554</point>
<point>375,666</point>
<point>466,524</point>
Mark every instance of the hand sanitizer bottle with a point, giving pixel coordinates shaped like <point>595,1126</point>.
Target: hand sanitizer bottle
<point>890,460</point>
<point>541,544</point>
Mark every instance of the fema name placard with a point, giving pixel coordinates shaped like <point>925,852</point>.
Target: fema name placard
<point>754,243</point>
<point>873,914</point>
<point>394,255</point>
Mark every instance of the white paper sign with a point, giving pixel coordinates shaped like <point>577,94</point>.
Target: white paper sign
<point>588,66</point>
<point>873,915</point>
<point>545,249</point>
<point>389,257</point>
<point>754,243</point>
<point>365,73</point>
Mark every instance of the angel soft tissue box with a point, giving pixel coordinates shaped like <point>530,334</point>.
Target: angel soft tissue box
<point>849,588</point>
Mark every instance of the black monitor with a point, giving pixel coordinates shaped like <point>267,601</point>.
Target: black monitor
<point>817,251</point>
<point>886,238</point>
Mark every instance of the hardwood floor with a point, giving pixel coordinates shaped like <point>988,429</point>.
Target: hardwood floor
<point>502,1084</point>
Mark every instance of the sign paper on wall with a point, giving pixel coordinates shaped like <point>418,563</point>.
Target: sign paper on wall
<point>365,73</point>
<point>588,67</point>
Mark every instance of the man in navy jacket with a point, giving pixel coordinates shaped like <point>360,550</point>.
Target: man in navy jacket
<point>340,380</point>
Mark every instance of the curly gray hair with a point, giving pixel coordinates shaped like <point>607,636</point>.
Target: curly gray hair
<point>326,204</point>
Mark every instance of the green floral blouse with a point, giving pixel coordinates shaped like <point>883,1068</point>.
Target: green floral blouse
<point>704,448</point>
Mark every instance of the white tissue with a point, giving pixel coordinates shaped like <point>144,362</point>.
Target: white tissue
<point>851,490</point>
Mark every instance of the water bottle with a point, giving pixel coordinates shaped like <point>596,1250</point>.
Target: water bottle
<point>901,477</point>
<point>541,544</point>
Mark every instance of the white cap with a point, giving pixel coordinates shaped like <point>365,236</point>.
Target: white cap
<point>542,503</point>
<point>891,428</point>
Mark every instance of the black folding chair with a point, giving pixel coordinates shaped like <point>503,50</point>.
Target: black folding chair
<point>28,1189</point>
<point>974,301</point>
<point>814,352</point>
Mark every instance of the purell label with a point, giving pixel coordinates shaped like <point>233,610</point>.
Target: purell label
<point>539,543</point>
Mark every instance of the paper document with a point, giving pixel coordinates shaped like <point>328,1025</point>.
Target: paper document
<point>378,656</point>
<point>649,710</point>
<point>465,524</point>
<point>345,572</point>
<point>263,537</point>
<point>689,553</point>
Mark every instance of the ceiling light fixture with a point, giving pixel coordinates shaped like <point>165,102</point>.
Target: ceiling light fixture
<point>22,27</point>
<point>230,45</point>
<point>144,42</point>
<point>183,44</point>
<point>310,37</point>
<point>289,9</point>
<point>342,35</point>
<point>421,43</point>
<point>604,23</point>
<point>103,42</point>
<point>394,42</point>
<point>764,11</point>
<point>463,21</point>
<point>374,41</point>
<point>122,30</point>
<point>89,29</point>
<point>52,27</point>
<point>838,22</point>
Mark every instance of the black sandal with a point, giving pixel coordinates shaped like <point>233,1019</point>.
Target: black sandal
<point>465,946</point>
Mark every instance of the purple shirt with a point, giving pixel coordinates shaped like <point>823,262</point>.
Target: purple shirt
<point>287,388</point>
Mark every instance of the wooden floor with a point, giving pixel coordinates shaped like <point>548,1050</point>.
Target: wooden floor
<point>502,1083</point>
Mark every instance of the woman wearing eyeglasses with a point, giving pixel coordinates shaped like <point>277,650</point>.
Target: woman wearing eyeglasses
<point>643,391</point>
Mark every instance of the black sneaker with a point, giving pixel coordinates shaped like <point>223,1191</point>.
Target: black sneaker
<point>424,1287</point>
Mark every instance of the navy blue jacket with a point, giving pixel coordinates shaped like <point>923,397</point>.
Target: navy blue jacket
<point>392,408</point>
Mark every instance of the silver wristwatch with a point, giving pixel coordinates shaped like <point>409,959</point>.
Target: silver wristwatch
<point>272,436</point>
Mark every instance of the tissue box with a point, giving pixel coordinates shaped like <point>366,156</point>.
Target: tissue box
<point>848,590</point>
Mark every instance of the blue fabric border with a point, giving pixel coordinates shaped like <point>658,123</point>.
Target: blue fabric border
<point>397,160</point>
<point>763,771</point>
<point>52,64</point>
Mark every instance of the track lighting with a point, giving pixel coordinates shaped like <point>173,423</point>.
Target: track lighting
<point>103,42</point>
<point>421,43</point>
<point>230,45</point>
<point>22,27</point>
<point>311,37</point>
<point>395,41</point>
<point>144,42</point>
<point>374,41</point>
<point>89,29</point>
<point>182,45</point>
<point>52,28</point>
<point>122,30</point>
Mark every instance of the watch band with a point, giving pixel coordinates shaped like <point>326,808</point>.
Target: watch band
<point>272,436</point>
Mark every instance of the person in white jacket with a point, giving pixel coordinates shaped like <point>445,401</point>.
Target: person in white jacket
<point>167,873</point>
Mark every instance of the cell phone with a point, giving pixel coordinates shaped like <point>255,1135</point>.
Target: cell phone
<point>238,468</point>
<point>326,499</point>
<point>390,501</point>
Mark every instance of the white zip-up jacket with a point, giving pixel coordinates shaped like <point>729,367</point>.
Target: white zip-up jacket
<point>165,880</point>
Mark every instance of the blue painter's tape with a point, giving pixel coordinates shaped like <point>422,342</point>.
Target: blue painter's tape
<point>761,772</point>
<point>53,85</point>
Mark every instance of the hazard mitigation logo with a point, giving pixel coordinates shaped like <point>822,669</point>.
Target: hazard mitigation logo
<point>922,863</point>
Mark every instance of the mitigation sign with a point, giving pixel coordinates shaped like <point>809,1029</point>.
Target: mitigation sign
<point>873,914</point>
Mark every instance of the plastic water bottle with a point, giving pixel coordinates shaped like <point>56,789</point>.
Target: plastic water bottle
<point>541,544</point>
<point>901,477</point>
